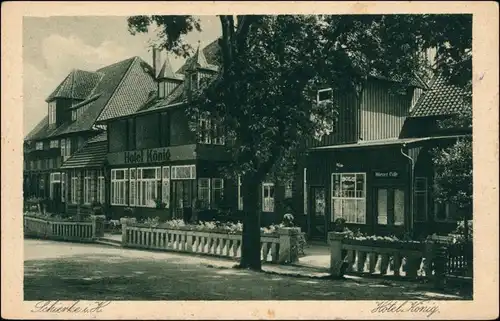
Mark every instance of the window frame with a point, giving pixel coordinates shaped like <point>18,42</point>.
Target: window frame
<point>87,187</point>
<point>265,207</point>
<point>74,189</point>
<point>174,173</point>
<point>39,146</point>
<point>117,185</point>
<point>101,187</point>
<point>54,143</point>
<point>333,215</point>
<point>144,183</point>
<point>213,189</point>
<point>206,189</point>
<point>52,112</point>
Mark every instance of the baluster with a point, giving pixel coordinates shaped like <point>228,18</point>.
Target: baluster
<point>239,248</point>
<point>274,252</point>
<point>384,263</point>
<point>351,259</point>
<point>361,261</point>
<point>413,263</point>
<point>235,248</point>
<point>397,264</point>
<point>372,261</point>
<point>264,251</point>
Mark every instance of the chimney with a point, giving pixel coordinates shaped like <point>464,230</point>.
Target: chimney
<point>157,60</point>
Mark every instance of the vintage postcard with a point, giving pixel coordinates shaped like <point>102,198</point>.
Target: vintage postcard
<point>250,160</point>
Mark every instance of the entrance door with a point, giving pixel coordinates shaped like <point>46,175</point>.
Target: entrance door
<point>56,190</point>
<point>317,228</point>
<point>389,208</point>
<point>182,199</point>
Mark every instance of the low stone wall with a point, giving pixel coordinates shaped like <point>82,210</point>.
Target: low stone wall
<point>275,248</point>
<point>87,231</point>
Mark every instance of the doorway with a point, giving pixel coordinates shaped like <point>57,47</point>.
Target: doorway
<point>317,225</point>
<point>182,199</point>
<point>389,207</point>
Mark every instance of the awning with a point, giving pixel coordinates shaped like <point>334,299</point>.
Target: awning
<point>90,155</point>
<point>386,142</point>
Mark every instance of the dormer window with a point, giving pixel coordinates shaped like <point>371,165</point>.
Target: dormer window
<point>52,113</point>
<point>39,146</point>
<point>195,80</point>
<point>54,143</point>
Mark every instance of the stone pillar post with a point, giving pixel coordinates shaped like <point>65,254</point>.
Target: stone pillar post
<point>97,225</point>
<point>289,239</point>
<point>124,221</point>
<point>336,259</point>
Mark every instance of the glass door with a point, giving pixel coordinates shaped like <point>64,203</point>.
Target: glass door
<point>317,228</point>
<point>389,206</point>
<point>182,199</point>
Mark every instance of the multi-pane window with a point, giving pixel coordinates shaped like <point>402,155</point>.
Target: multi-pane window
<point>240,195</point>
<point>204,130</point>
<point>74,189</point>
<point>204,192</point>
<point>210,131</point>
<point>194,79</point>
<point>101,189</point>
<point>65,148</point>
<point>217,192</point>
<point>210,192</point>
<point>420,199</point>
<point>52,112</point>
<point>148,186</point>
<point>87,191</point>
<point>39,146</point>
<point>54,143</point>
<point>289,188</point>
<point>218,137</point>
<point>349,197</point>
<point>54,178</point>
<point>184,172</point>
<point>268,197</point>
<point>119,186</point>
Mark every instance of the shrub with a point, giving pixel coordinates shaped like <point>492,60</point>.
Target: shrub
<point>128,211</point>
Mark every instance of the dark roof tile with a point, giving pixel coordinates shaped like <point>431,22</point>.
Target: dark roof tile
<point>442,98</point>
<point>90,155</point>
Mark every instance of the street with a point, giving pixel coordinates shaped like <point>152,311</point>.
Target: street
<point>71,271</point>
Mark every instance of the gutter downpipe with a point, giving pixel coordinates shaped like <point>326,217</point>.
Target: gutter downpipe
<point>412,168</point>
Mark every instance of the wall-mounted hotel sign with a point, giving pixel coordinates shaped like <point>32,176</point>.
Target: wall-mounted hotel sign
<point>386,174</point>
<point>153,155</point>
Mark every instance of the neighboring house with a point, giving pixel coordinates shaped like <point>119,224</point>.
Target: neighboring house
<point>73,109</point>
<point>363,171</point>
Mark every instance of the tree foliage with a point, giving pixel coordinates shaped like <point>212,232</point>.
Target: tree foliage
<point>272,67</point>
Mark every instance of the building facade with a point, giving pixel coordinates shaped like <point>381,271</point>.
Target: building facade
<point>376,171</point>
<point>70,125</point>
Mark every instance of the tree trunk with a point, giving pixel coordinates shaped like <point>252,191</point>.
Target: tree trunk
<point>250,249</point>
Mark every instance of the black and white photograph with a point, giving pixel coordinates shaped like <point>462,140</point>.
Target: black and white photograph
<point>249,157</point>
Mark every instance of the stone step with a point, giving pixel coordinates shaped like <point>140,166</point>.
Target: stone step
<point>109,242</point>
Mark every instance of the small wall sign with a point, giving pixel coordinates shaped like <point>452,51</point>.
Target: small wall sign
<point>386,174</point>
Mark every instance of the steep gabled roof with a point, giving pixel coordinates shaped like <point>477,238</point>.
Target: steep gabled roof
<point>166,71</point>
<point>137,87</point>
<point>109,91</point>
<point>211,55</point>
<point>77,85</point>
<point>442,98</point>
